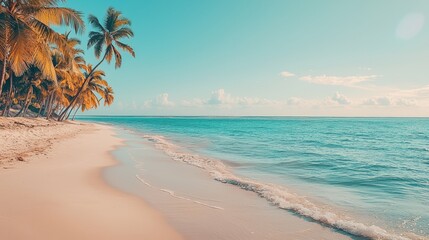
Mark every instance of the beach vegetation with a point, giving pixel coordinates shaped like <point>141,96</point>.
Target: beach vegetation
<point>43,72</point>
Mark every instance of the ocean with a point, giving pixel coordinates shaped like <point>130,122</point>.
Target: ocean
<point>366,176</point>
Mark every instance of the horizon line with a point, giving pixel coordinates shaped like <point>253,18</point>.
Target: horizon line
<point>249,116</point>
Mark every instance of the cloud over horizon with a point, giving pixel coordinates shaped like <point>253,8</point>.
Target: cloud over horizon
<point>221,98</point>
<point>160,101</point>
<point>221,102</point>
<point>287,74</point>
<point>340,99</point>
<point>333,80</point>
<point>348,81</point>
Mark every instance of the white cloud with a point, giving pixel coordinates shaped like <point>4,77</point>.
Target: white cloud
<point>160,101</point>
<point>389,101</point>
<point>378,101</point>
<point>220,97</point>
<point>340,99</point>
<point>349,81</point>
<point>403,103</point>
<point>287,74</point>
<point>406,102</point>
<point>294,101</point>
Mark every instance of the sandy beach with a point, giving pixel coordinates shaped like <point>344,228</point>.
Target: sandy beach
<point>214,120</point>
<point>60,181</point>
<point>51,186</point>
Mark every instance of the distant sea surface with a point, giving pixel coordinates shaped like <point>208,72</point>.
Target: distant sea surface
<point>373,171</point>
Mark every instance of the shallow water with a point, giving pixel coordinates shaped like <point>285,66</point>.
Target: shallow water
<point>370,171</point>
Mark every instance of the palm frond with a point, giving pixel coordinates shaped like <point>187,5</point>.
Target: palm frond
<point>21,50</point>
<point>110,19</point>
<point>43,61</point>
<point>109,53</point>
<point>46,32</point>
<point>98,48</point>
<point>118,57</point>
<point>126,48</point>
<point>95,23</point>
<point>108,96</point>
<point>100,82</point>
<point>122,21</point>
<point>94,37</point>
<point>44,2</point>
<point>61,16</point>
<point>4,25</point>
<point>123,32</point>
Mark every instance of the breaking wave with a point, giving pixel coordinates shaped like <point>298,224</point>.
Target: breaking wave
<point>278,195</point>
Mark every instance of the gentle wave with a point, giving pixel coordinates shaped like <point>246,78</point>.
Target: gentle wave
<point>278,195</point>
<point>173,194</point>
<point>170,192</point>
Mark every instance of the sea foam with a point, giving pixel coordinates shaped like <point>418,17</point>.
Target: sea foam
<point>278,195</point>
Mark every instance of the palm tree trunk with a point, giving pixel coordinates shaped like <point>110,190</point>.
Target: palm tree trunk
<point>52,107</point>
<point>6,56</point>
<point>29,101</point>
<point>3,111</point>
<point>45,111</point>
<point>3,75</point>
<point>44,106</point>
<point>68,115</point>
<point>49,105</point>
<point>57,106</point>
<point>61,117</point>
<point>74,115</point>
<point>22,110</point>
<point>9,98</point>
<point>40,109</point>
<point>71,110</point>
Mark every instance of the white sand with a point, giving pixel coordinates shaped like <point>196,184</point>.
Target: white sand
<point>57,192</point>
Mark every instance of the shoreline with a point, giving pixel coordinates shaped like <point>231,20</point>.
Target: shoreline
<point>57,193</point>
<point>137,186</point>
<point>341,227</point>
<point>199,207</point>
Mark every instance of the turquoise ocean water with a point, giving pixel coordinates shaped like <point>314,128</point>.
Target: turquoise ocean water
<point>366,176</point>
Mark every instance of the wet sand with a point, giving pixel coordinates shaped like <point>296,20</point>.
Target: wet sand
<point>199,207</point>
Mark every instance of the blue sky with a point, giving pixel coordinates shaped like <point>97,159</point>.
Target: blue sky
<point>277,57</point>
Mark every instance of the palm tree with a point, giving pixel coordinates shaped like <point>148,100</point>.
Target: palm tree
<point>26,34</point>
<point>96,86</point>
<point>106,38</point>
<point>28,85</point>
<point>68,63</point>
<point>108,96</point>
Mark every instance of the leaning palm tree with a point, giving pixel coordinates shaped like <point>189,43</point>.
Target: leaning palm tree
<point>67,60</point>
<point>26,34</point>
<point>107,38</point>
<point>96,86</point>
